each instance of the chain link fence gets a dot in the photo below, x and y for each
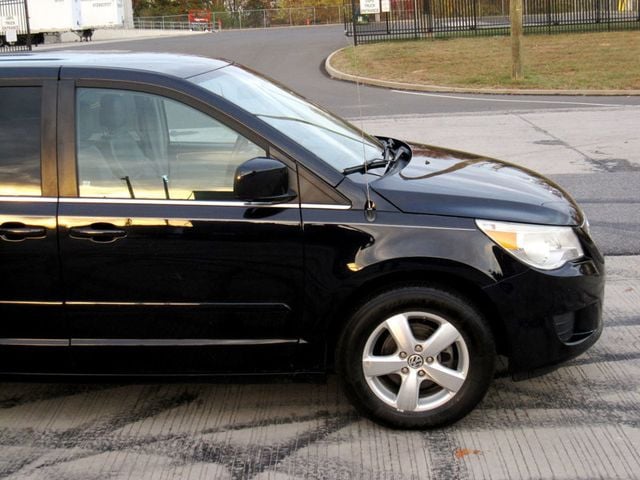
(277, 17)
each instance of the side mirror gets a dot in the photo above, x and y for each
(262, 180)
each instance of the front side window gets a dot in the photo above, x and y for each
(138, 145)
(20, 116)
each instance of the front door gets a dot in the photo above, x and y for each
(164, 270)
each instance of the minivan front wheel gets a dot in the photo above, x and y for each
(416, 357)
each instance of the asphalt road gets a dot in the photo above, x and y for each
(609, 192)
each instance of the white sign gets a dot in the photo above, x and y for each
(9, 22)
(11, 35)
(368, 7)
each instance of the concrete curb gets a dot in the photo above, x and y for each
(416, 87)
(70, 40)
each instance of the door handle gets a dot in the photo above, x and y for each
(18, 232)
(100, 233)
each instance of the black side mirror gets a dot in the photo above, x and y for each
(262, 180)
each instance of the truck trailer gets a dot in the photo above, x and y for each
(48, 19)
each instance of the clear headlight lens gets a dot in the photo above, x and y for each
(586, 225)
(541, 246)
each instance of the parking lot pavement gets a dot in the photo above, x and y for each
(552, 142)
(582, 421)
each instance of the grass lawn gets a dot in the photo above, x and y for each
(603, 60)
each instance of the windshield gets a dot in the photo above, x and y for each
(335, 141)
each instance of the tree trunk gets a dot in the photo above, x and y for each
(516, 12)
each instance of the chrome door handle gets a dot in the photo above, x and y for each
(18, 232)
(100, 233)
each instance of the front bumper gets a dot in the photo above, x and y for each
(551, 317)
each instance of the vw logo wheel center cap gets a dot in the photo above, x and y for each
(415, 361)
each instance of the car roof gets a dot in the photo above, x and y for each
(182, 66)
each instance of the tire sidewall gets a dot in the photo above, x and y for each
(456, 310)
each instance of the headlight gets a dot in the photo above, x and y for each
(541, 246)
(586, 225)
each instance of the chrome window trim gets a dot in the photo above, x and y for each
(324, 206)
(28, 302)
(211, 203)
(28, 199)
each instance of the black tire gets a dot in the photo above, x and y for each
(471, 356)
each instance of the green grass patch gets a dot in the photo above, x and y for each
(590, 61)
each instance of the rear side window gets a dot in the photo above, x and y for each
(20, 141)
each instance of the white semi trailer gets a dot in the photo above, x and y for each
(101, 13)
(50, 18)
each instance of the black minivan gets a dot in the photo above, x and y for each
(177, 215)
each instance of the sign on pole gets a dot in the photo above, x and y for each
(368, 7)
(373, 7)
(9, 25)
(11, 35)
(14, 26)
(8, 22)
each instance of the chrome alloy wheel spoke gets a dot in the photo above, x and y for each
(381, 365)
(400, 330)
(447, 378)
(443, 337)
(407, 399)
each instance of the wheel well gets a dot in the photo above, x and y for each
(452, 283)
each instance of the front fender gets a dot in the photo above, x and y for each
(346, 257)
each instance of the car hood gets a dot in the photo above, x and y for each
(439, 181)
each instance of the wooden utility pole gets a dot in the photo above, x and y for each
(515, 11)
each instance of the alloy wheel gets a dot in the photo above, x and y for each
(415, 361)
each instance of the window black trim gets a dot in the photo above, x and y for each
(48, 141)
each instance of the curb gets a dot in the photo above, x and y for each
(418, 87)
(73, 44)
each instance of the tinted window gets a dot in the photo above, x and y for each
(20, 141)
(137, 145)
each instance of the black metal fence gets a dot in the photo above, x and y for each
(407, 19)
(14, 26)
